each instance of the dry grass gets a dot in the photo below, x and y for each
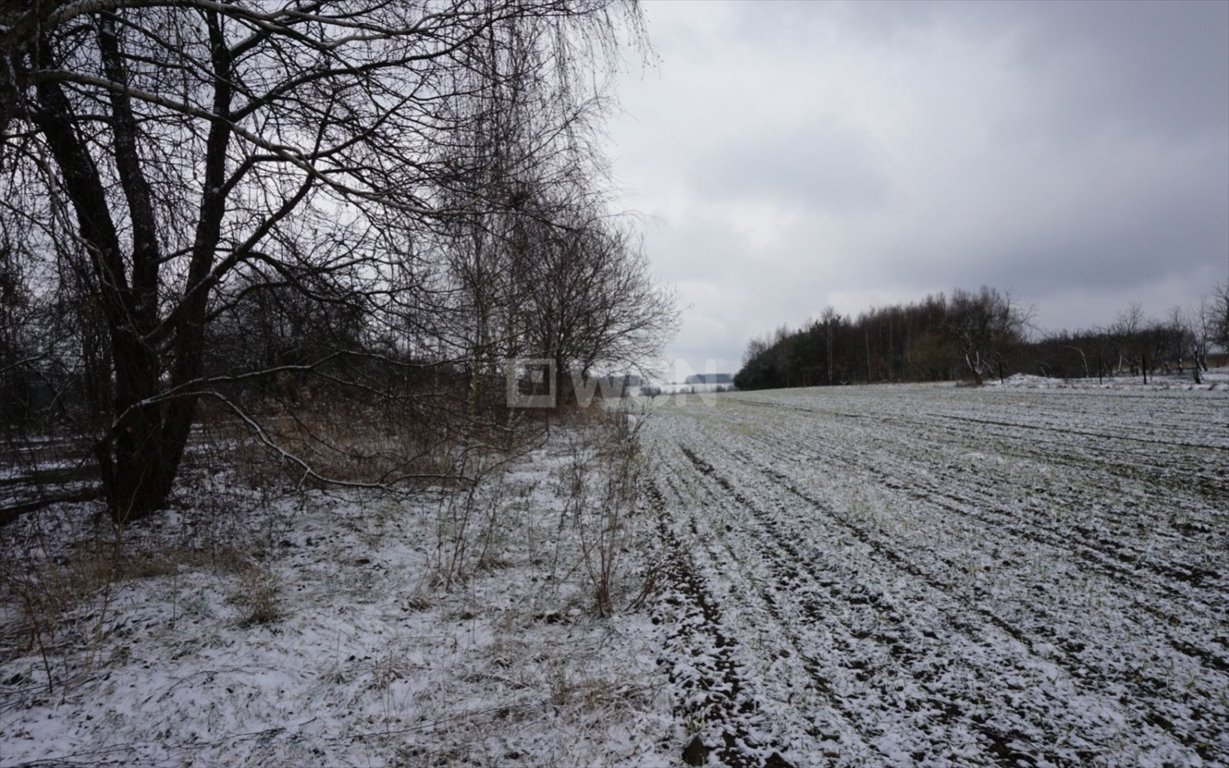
(344, 444)
(60, 594)
(259, 594)
(351, 440)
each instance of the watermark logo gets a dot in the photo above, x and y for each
(531, 382)
(535, 382)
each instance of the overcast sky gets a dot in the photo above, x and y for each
(798, 155)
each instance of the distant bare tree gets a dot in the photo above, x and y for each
(16, 353)
(985, 325)
(1215, 316)
(1182, 343)
(830, 322)
(1130, 331)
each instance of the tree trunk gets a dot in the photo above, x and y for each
(866, 334)
(139, 460)
(139, 456)
(565, 393)
(829, 349)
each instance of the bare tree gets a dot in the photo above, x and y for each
(589, 301)
(830, 321)
(538, 267)
(16, 353)
(207, 152)
(1182, 343)
(985, 325)
(516, 154)
(1130, 331)
(1215, 316)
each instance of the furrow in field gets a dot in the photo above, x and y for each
(1082, 676)
(1084, 615)
(891, 674)
(1024, 605)
(834, 664)
(1176, 465)
(1178, 521)
(1171, 442)
(701, 653)
(980, 496)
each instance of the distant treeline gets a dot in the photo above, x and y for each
(978, 335)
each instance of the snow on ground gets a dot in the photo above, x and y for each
(933, 575)
(919, 575)
(315, 629)
(1215, 379)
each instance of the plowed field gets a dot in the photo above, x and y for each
(943, 576)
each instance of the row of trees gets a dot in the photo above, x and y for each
(1135, 344)
(226, 202)
(939, 338)
(975, 335)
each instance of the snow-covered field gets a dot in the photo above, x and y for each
(320, 629)
(931, 575)
(1030, 574)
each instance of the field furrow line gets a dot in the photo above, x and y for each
(1197, 732)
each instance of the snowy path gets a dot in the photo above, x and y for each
(936, 576)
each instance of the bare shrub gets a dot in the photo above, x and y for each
(463, 519)
(602, 479)
(258, 593)
(344, 438)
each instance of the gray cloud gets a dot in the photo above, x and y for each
(799, 155)
(816, 165)
(1152, 66)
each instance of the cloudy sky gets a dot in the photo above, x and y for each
(787, 157)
